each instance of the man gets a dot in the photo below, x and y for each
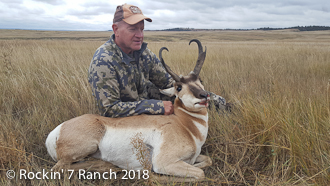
(126, 76)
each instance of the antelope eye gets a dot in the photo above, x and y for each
(179, 88)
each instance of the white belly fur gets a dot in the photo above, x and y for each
(116, 146)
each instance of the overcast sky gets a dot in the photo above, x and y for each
(211, 14)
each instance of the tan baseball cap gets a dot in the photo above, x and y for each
(130, 14)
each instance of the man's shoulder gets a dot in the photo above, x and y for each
(148, 52)
(107, 54)
(108, 48)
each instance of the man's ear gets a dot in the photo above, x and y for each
(114, 28)
(168, 92)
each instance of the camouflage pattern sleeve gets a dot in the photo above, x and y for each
(158, 74)
(218, 101)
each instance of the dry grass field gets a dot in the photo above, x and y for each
(278, 132)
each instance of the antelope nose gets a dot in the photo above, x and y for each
(204, 95)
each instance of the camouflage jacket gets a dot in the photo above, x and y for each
(119, 82)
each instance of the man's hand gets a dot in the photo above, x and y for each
(169, 109)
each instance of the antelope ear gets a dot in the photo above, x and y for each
(168, 92)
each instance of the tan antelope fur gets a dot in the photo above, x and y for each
(174, 142)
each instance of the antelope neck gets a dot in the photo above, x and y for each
(192, 121)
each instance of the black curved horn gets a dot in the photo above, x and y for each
(167, 68)
(201, 56)
(200, 48)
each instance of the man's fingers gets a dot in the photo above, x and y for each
(168, 106)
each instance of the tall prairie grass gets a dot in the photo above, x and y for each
(276, 134)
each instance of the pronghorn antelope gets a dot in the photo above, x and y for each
(174, 142)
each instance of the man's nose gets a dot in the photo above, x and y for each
(139, 33)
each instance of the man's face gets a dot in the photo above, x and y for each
(129, 37)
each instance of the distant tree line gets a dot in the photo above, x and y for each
(179, 29)
(300, 28)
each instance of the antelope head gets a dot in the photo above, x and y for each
(188, 89)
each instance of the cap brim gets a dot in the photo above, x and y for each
(132, 20)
